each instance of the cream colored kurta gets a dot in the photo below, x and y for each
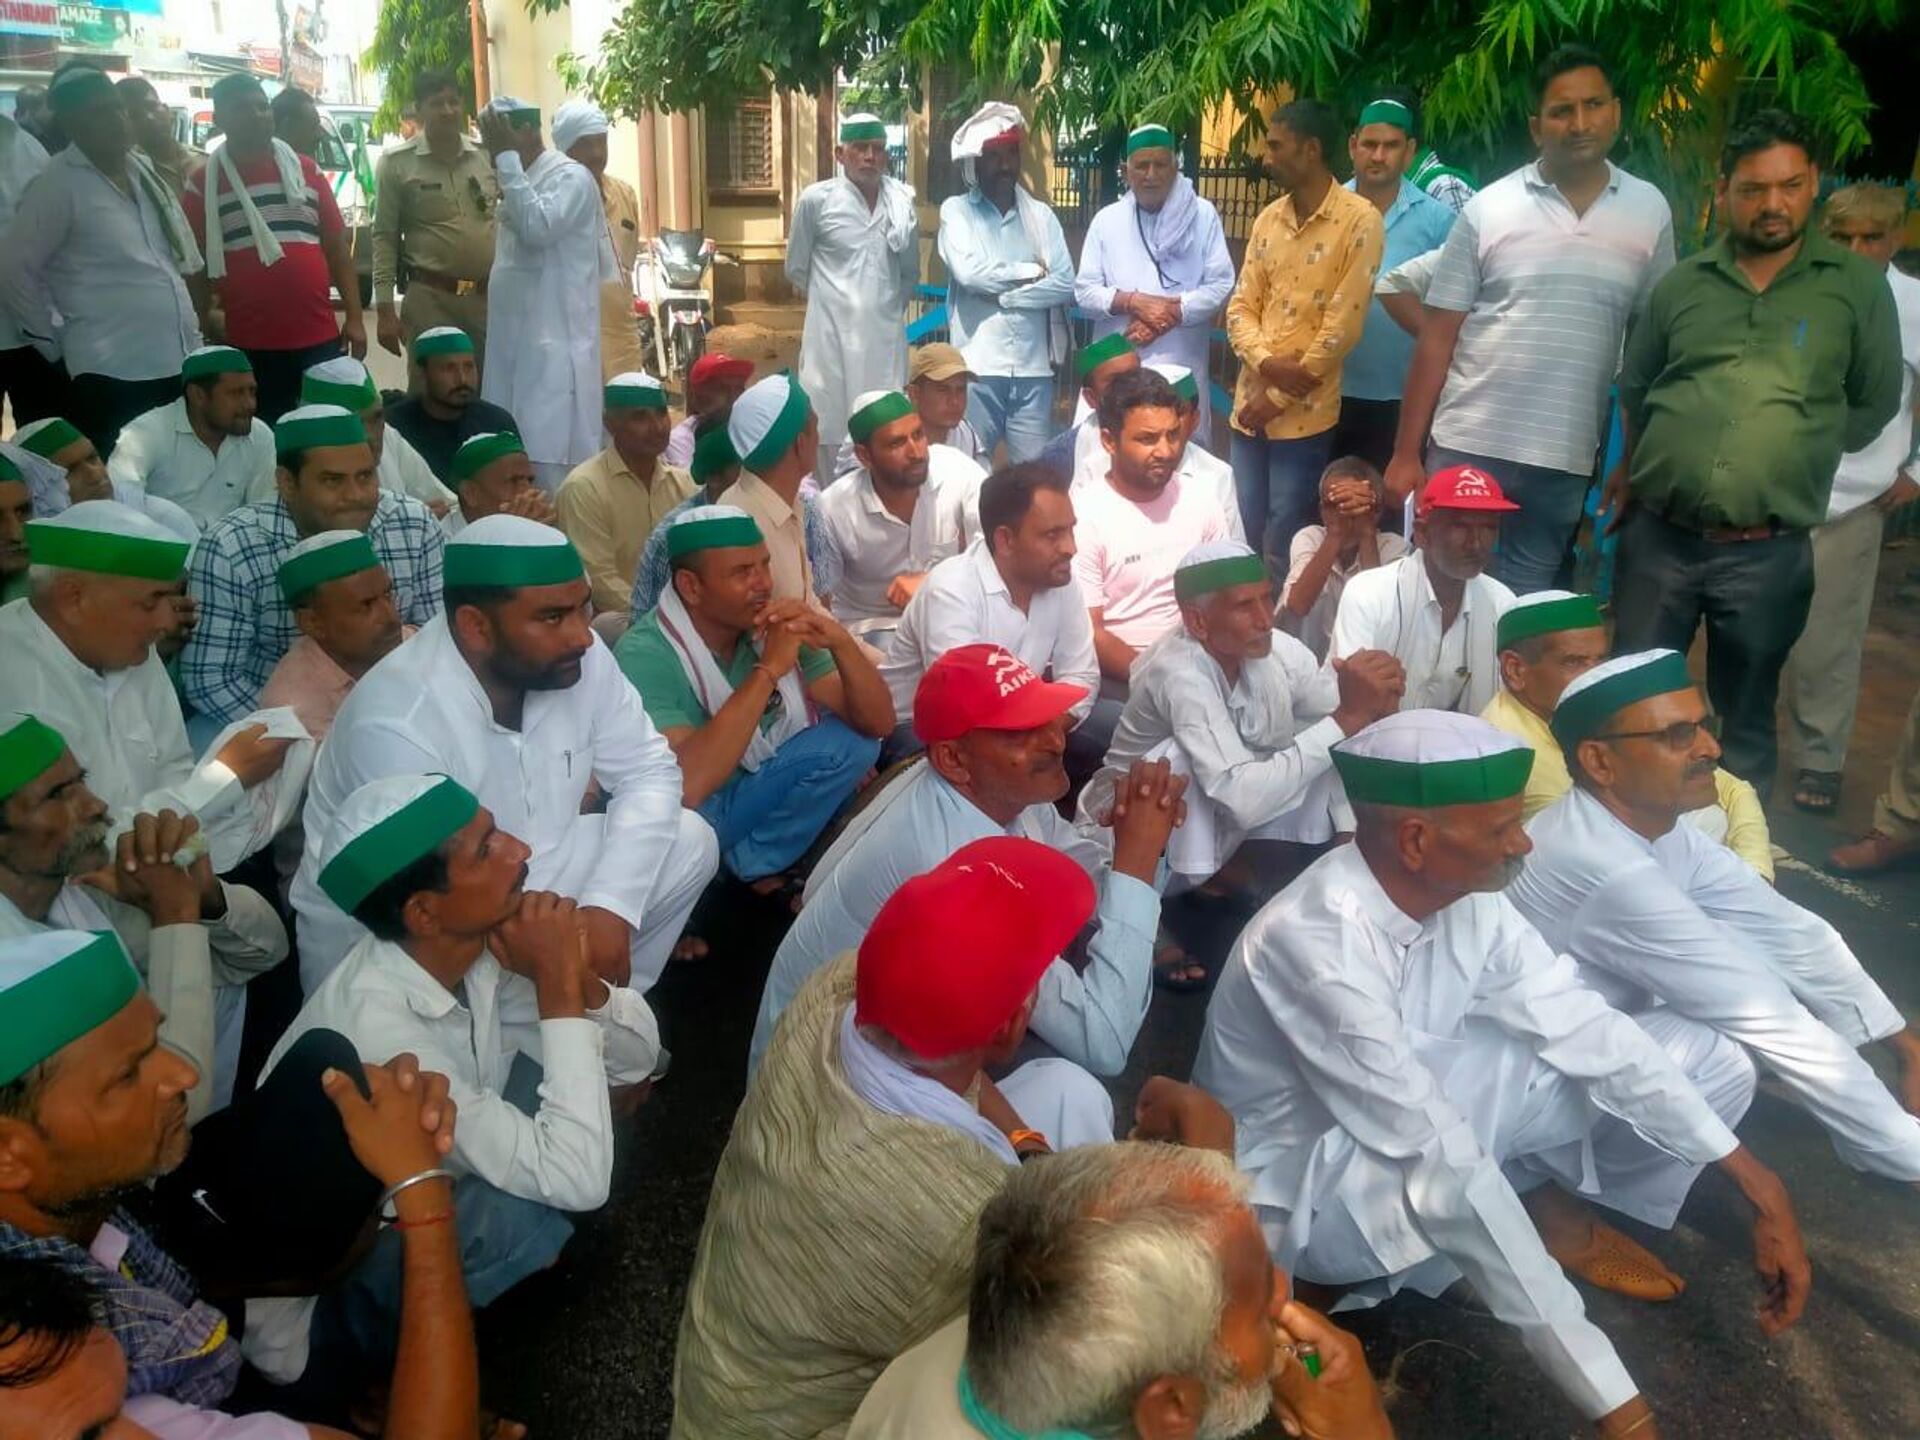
(608, 514)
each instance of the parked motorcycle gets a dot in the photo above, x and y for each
(671, 303)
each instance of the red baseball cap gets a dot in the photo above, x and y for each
(956, 952)
(715, 366)
(983, 687)
(1463, 487)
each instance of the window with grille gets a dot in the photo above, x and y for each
(740, 149)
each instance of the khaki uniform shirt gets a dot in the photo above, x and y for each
(185, 163)
(433, 215)
(608, 514)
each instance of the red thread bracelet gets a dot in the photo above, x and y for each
(423, 1222)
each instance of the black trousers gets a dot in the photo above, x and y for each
(1753, 596)
(100, 406)
(33, 385)
(278, 372)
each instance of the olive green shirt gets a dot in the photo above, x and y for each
(1741, 401)
(433, 215)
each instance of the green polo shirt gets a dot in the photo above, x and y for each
(671, 702)
(1742, 400)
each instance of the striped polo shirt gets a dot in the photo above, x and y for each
(289, 305)
(1548, 294)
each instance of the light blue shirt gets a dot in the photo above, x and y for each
(998, 293)
(1376, 368)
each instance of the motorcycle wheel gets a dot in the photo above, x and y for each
(689, 343)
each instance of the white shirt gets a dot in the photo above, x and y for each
(965, 602)
(1683, 922)
(876, 546)
(1127, 552)
(1393, 608)
(1090, 1016)
(99, 259)
(1333, 1006)
(1865, 474)
(21, 158)
(124, 727)
(421, 711)
(158, 453)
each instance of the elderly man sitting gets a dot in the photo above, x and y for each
(342, 600)
(1125, 1290)
(1659, 915)
(1248, 713)
(736, 680)
(838, 1229)
(996, 739)
(492, 475)
(1405, 1057)
(1545, 641)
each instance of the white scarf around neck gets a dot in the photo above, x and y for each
(890, 1087)
(714, 690)
(220, 168)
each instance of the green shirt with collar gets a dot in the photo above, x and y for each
(1742, 401)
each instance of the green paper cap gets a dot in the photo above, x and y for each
(712, 527)
(441, 340)
(1190, 582)
(506, 552)
(28, 748)
(712, 453)
(1590, 701)
(1430, 785)
(784, 429)
(55, 986)
(388, 846)
(624, 393)
(883, 410)
(48, 438)
(480, 451)
(321, 558)
(1546, 612)
(524, 117)
(1387, 112)
(314, 427)
(126, 544)
(1107, 347)
(1149, 137)
(215, 360)
(857, 128)
(355, 396)
(11, 471)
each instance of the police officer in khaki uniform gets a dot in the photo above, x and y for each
(437, 200)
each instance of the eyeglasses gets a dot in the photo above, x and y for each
(1677, 736)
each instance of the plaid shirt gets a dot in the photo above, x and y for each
(823, 552)
(176, 1345)
(245, 624)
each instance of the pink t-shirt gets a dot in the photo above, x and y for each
(1127, 552)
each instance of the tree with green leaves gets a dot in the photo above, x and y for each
(415, 35)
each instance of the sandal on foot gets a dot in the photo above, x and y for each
(1817, 791)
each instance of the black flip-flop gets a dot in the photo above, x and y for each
(1817, 791)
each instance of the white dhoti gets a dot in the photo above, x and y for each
(1327, 1217)
(1062, 1101)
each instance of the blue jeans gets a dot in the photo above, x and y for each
(1018, 409)
(765, 819)
(1278, 482)
(1536, 540)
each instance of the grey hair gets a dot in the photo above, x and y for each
(1096, 1271)
(886, 1044)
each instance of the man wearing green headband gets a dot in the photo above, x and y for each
(84, 642)
(209, 452)
(16, 509)
(1395, 1042)
(1099, 364)
(905, 507)
(1155, 266)
(1266, 774)
(612, 503)
(1663, 920)
(445, 410)
(1381, 146)
(325, 480)
(346, 382)
(195, 939)
(493, 476)
(342, 600)
(509, 692)
(105, 277)
(60, 443)
(551, 259)
(853, 251)
(735, 680)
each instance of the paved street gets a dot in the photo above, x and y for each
(587, 1352)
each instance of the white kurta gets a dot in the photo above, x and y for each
(125, 729)
(1257, 749)
(1115, 256)
(551, 257)
(1380, 1069)
(965, 601)
(1090, 1016)
(876, 546)
(1683, 922)
(421, 711)
(1393, 608)
(857, 268)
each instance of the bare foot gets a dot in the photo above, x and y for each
(1590, 1249)
(689, 947)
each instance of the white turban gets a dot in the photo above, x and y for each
(989, 122)
(575, 121)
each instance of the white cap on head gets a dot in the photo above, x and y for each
(575, 121)
(766, 420)
(988, 123)
(1429, 737)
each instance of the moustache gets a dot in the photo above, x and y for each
(1508, 871)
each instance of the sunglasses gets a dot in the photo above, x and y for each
(1677, 736)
